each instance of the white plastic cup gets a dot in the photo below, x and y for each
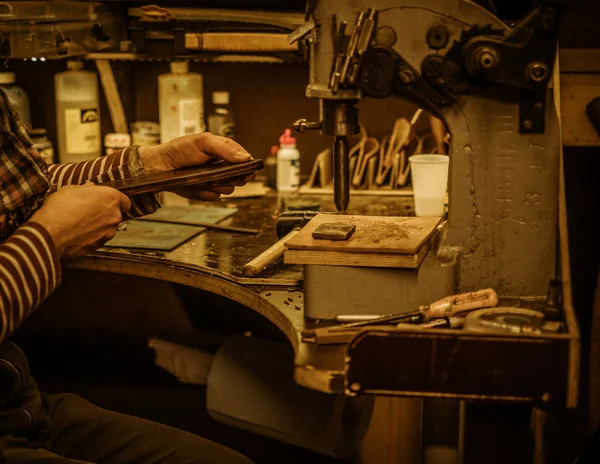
(429, 174)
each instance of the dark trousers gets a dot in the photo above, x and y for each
(61, 429)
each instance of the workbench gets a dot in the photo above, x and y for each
(534, 369)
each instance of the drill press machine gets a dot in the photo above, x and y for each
(489, 83)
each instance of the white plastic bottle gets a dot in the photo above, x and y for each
(288, 163)
(181, 102)
(16, 96)
(220, 119)
(77, 114)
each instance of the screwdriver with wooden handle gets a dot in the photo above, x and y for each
(450, 306)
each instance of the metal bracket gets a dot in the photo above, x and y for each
(532, 111)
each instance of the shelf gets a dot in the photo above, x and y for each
(202, 58)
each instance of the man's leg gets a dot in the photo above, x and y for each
(80, 430)
(19, 451)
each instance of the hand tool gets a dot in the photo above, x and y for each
(344, 318)
(289, 220)
(448, 307)
(207, 174)
(269, 256)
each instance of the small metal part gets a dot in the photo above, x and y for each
(348, 58)
(302, 125)
(338, 117)
(406, 76)
(345, 318)
(509, 320)
(537, 72)
(341, 230)
(444, 323)
(301, 31)
(432, 66)
(341, 173)
(437, 37)
(392, 319)
(385, 36)
(532, 117)
(485, 59)
(356, 386)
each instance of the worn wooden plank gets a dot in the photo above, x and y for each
(374, 234)
(239, 42)
(565, 259)
(336, 258)
(113, 98)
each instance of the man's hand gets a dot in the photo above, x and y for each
(195, 150)
(81, 218)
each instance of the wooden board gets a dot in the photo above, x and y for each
(374, 234)
(576, 91)
(239, 41)
(194, 176)
(336, 258)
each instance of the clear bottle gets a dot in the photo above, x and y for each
(181, 102)
(16, 96)
(39, 139)
(288, 163)
(77, 114)
(220, 119)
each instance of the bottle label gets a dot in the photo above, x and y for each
(227, 130)
(82, 127)
(190, 116)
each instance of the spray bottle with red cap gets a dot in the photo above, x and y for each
(288, 163)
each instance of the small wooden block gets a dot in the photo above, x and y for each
(341, 230)
(374, 234)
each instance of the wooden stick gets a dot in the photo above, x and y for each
(113, 98)
(268, 257)
(241, 230)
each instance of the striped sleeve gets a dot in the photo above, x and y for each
(29, 272)
(121, 165)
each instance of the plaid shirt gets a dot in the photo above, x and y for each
(26, 180)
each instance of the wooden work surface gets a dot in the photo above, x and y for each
(399, 235)
(213, 262)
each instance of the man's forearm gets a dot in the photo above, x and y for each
(29, 272)
(122, 165)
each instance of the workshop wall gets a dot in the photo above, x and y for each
(266, 98)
